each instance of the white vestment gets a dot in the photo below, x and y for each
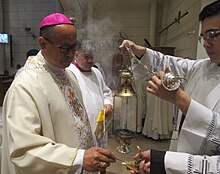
(139, 86)
(44, 122)
(99, 67)
(158, 123)
(159, 113)
(95, 95)
(199, 138)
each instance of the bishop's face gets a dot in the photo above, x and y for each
(60, 49)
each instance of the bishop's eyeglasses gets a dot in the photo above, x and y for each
(65, 49)
(209, 36)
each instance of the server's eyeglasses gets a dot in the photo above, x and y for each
(209, 36)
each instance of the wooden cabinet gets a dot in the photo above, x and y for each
(165, 50)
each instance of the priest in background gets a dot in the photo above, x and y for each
(96, 94)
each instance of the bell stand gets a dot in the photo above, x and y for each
(121, 133)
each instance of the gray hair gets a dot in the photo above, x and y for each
(88, 45)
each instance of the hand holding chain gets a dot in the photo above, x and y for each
(169, 81)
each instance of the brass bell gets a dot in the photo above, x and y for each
(126, 88)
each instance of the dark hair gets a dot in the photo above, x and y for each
(32, 52)
(47, 32)
(210, 10)
(18, 66)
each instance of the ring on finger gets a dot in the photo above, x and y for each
(103, 164)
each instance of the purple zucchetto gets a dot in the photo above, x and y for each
(55, 19)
